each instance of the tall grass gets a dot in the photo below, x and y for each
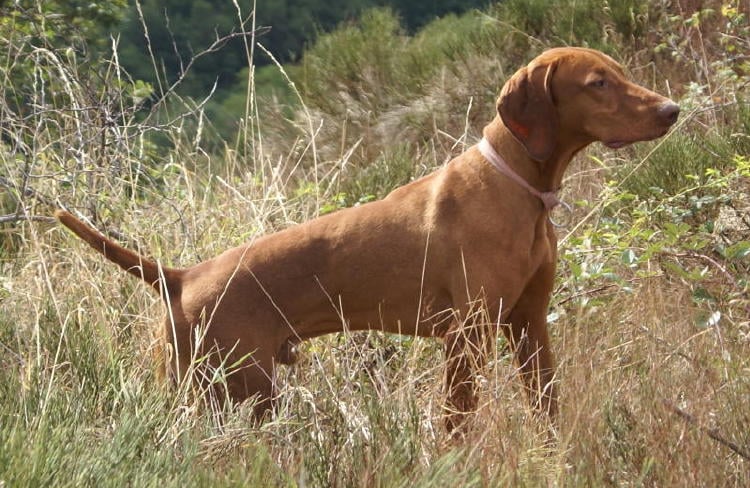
(650, 321)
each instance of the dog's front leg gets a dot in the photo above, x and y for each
(527, 334)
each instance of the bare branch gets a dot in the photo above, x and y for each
(11, 218)
(712, 433)
(219, 43)
(26, 192)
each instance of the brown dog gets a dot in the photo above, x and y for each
(418, 261)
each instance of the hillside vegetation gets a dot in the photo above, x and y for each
(650, 320)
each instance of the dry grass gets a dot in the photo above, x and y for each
(365, 409)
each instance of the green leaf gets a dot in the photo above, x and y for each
(629, 258)
(738, 250)
(705, 319)
(700, 294)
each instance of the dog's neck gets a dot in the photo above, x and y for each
(548, 198)
(544, 176)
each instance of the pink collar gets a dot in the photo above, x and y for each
(548, 198)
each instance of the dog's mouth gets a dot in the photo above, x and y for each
(617, 144)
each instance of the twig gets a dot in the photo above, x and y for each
(5, 219)
(584, 293)
(594, 291)
(709, 259)
(712, 433)
(27, 192)
(21, 213)
(214, 47)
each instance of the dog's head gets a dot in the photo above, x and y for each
(579, 96)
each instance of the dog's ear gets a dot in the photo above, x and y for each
(528, 110)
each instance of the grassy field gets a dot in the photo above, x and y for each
(650, 320)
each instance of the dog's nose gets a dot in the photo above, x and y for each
(670, 111)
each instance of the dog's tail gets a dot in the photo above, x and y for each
(133, 263)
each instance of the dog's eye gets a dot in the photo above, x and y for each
(599, 83)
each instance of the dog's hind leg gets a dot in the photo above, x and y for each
(253, 382)
(466, 355)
